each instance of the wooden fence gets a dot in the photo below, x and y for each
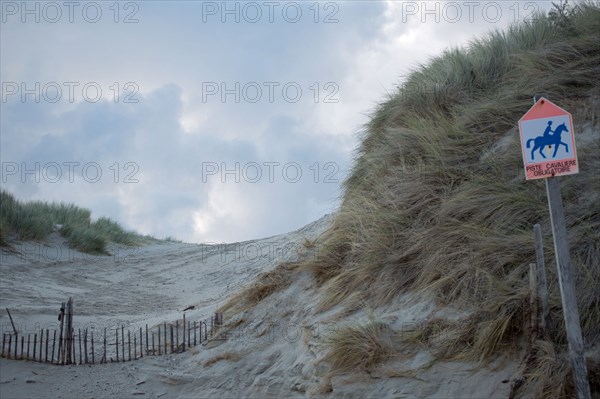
(68, 345)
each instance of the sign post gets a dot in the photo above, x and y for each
(548, 127)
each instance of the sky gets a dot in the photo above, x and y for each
(209, 121)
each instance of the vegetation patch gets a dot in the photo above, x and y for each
(36, 220)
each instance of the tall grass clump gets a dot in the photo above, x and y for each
(35, 220)
(437, 201)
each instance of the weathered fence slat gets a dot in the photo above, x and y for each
(92, 347)
(41, 344)
(22, 345)
(129, 343)
(165, 335)
(134, 347)
(183, 341)
(153, 353)
(194, 332)
(147, 339)
(104, 353)
(159, 339)
(53, 347)
(85, 348)
(123, 342)
(28, 346)
(80, 354)
(142, 343)
(47, 341)
(117, 342)
(16, 344)
(171, 340)
(3, 343)
(9, 344)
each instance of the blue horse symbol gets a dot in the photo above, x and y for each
(548, 140)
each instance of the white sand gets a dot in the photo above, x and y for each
(275, 352)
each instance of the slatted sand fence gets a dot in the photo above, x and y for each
(67, 345)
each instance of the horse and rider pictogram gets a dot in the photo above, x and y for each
(548, 139)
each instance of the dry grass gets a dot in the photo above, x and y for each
(360, 346)
(437, 201)
(231, 356)
(264, 285)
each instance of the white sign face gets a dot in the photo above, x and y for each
(547, 141)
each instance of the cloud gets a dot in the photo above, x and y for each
(204, 123)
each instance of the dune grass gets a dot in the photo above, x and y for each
(437, 200)
(36, 220)
(360, 346)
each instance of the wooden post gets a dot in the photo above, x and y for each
(194, 332)
(142, 343)
(22, 345)
(85, 349)
(11, 321)
(183, 331)
(3, 343)
(69, 327)
(158, 339)
(165, 349)
(47, 339)
(60, 337)
(80, 352)
(41, 344)
(189, 327)
(9, 344)
(546, 323)
(533, 301)
(16, 345)
(104, 352)
(117, 342)
(176, 335)
(147, 338)
(74, 361)
(134, 347)
(53, 345)
(129, 344)
(165, 335)
(153, 353)
(567, 289)
(123, 342)
(29, 346)
(92, 347)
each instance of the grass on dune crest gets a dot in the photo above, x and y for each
(36, 220)
(437, 199)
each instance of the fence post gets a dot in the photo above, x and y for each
(53, 347)
(47, 339)
(3, 343)
(16, 344)
(80, 352)
(159, 340)
(69, 339)
(171, 338)
(104, 351)
(147, 339)
(128, 344)
(117, 341)
(194, 332)
(34, 345)
(546, 322)
(533, 301)
(142, 343)
(85, 348)
(60, 337)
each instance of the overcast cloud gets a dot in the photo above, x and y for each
(208, 121)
